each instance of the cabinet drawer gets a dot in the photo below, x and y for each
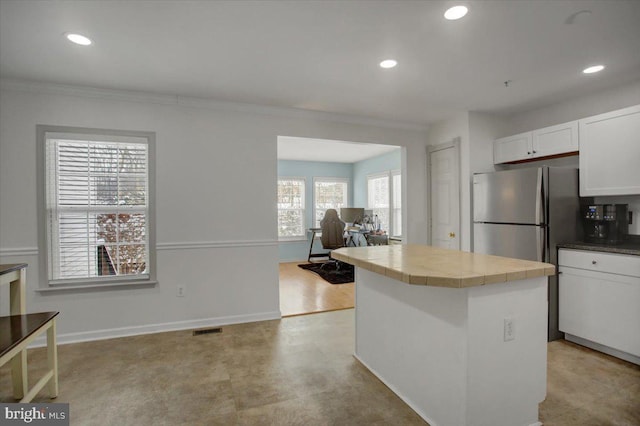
(602, 262)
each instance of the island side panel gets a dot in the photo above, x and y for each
(507, 379)
(414, 339)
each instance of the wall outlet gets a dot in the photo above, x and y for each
(181, 290)
(509, 329)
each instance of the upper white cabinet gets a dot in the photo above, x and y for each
(553, 140)
(512, 148)
(610, 153)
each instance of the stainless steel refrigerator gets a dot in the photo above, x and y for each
(524, 213)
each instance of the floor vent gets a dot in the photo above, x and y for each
(207, 331)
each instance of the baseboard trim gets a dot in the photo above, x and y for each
(90, 336)
(602, 348)
(394, 390)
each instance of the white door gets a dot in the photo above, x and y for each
(445, 195)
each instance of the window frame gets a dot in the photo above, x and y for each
(329, 180)
(395, 217)
(389, 175)
(45, 132)
(303, 236)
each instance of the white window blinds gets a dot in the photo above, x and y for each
(329, 193)
(291, 208)
(97, 208)
(378, 197)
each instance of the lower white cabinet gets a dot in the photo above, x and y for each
(599, 301)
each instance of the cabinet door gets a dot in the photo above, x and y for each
(600, 307)
(512, 148)
(610, 153)
(554, 140)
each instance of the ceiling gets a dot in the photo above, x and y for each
(307, 149)
(324, 55)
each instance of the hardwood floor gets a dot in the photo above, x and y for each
(303, 292)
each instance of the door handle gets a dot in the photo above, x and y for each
(452, 234)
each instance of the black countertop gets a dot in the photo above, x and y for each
(630, 247)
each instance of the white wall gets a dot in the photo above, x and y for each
(576, 108)
(216, 182)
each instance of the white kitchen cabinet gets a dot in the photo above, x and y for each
(599, 301)
(512, 148)
(610, 153)
(553, 140)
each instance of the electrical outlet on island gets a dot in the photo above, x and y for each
(509, 329)
(182, 289)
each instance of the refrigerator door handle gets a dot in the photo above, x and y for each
(539, 196)
(541, 243)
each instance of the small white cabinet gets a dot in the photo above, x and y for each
(512, 148)
(610, 153)
(599, 301)
(553, 140)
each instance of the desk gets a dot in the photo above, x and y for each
(19, 329)
(313, 232)
(354, 236)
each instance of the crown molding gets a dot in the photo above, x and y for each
(9, 84)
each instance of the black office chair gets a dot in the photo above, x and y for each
(332, 235)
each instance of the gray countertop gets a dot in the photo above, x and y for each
(630, 247)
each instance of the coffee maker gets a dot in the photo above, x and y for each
(605, 223)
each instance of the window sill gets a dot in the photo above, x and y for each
(294, 240)
(80, 287)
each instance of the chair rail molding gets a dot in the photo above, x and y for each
(184, 245)
(18, 251)
(191, 245)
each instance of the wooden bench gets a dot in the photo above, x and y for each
(19, 329)
(16, 333)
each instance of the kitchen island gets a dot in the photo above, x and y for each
(460, 337)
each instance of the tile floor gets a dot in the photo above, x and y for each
(296, 371)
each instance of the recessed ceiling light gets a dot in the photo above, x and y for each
(455, 12)
(78, 39)
(591, 70)
(388, 63)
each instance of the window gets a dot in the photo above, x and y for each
(384, 198)
(291, 209)
(328, 193)
(396, 204)
(96, 199)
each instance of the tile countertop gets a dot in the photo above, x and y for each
(630, 247)
(432, 266)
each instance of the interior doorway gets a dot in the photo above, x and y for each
(444, 198)
(317, 174)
